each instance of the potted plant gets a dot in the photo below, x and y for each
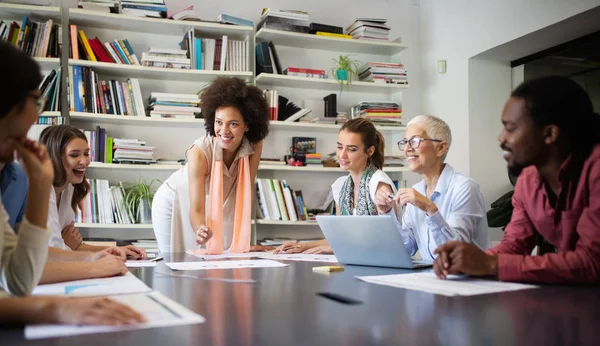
(138, 200)
(343, 70)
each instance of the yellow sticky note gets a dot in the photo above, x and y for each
(328, 269)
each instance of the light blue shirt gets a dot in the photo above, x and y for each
(13, 188)
(460, 216)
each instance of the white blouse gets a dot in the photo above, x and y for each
(60, 216)
(378, 177)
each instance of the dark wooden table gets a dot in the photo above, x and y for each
(283, 308)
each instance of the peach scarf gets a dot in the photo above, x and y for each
(243, 206)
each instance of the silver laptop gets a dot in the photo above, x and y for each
(368, 241)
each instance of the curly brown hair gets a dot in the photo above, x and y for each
(233, 92)
(56, 138)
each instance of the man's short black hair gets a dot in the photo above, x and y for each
(560, 101)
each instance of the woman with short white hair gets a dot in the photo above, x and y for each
(445, 205)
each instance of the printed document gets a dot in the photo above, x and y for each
(454, 285)
(159, 310)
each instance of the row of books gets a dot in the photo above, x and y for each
(163, 105)
(50, 89)
(220, 54)
(107, 149)
(383, 72)
(37, 39)
(278, 201)
(116, 51)
(87, 93)
(104, 204)
(45, 120)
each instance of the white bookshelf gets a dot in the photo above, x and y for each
(16, 12)
(124, 166)
(136, 226)
(50, 114)
(145, 72)
(177, 122)
(48, 63)
(309, 41)
(123, 22)
(330, 84)
(261, 167)
(286, 223)
(135, 120)
(171, 136)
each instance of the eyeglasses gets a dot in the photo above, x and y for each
(414, 142)
(40, 102)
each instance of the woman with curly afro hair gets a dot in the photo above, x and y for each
(209, 200)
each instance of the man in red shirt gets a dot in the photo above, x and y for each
(551, 137)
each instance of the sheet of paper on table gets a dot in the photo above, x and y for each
(159, 310)
(140, 263)
(125, 284)
(226, 255)
(454, 285)
(301, 257)
(206, 265)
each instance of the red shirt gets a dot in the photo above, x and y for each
(572, 225)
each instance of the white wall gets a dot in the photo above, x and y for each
(456, 31)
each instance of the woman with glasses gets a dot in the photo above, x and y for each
(444, 205)
(23, 256)
(360, 151)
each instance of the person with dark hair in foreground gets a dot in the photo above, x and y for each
(220, 172)
(22, 257)
(551, 137)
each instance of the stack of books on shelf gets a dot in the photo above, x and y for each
(314, 160)
(166, 58)
(163, 105)
(305, 72)
(36, 39)
(369, 29)
(89, 94)
(132, 151)
(215, 54)
(144, 8)
(380, 113)
(383, 72)
(287, 20)
(116, 51)
(106, 6)
(227, 19)
(104, 204)
(278, 201)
